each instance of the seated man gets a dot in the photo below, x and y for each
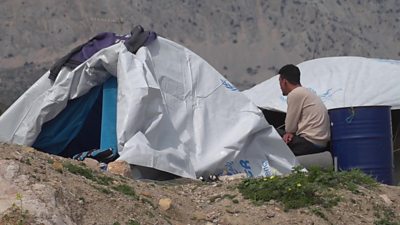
(307, 128)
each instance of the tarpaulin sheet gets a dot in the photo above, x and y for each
(175, 113)
(339, 82)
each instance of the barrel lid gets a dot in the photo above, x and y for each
(361, 107)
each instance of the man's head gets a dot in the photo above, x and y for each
(289, 78)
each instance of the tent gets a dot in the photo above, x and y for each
(163, 108)
(339, 82)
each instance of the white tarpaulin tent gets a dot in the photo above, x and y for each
(175, 113)
(340, 82)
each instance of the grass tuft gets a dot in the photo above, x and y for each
(303, 189)
(125, 189)
(88, 173)
(79, 170)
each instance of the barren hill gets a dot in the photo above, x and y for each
(247, 41)
(37, 188)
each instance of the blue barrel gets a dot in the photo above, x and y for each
(361, 137)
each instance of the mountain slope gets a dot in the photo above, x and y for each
(247, 41)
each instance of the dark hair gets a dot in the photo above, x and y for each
(291, 73)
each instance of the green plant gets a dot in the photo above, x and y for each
(229, 196)
(16, 214)
(88, 173)
(79, 170)
(318, 212)
(125, 189)
(27, 161)
(104, 180)
(103, 190)
(145, 200)
(302, 189)
(132, 222)
(385, 216)
(19, 198)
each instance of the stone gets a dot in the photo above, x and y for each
(165, 204)
(232, 177)
(146, 194)
(386, 199)
(9, 170)
(197, 215)
(92, 164)
(120, 167)
(57, 166)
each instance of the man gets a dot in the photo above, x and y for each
(307, 128)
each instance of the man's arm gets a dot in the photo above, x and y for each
(294, 110)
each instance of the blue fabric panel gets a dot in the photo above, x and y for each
(57, 133)
(109, 115)
(88, 137)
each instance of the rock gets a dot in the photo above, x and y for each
(120, 167)
(233, 220)
(232, 177)
(92, 164)
(28, 149)
(165, 203)
(199, 216)
(9, 170)
(270, 214)
(57, 166)
(146, 194)
(386, 199)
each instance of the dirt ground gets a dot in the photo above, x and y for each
(37, 188)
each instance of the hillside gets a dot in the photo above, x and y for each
(247, 41)
(37, 188)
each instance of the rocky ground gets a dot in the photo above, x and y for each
(37, 188)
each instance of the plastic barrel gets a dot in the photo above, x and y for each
(361, 137)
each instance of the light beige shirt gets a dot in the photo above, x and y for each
(307, 116)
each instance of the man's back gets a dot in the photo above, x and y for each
(307, 116)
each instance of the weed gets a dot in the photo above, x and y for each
(318, 212)
(16, 214)
(19, 198)
(235, 201)
(88, 173)
(301, 189)
(385, 216)
(27, 161)
(104, 180)
(231, 187)
(229, 196)
(145, 200)
(79, 170)
(104, 190)
(125, 189)
(132, 222)
(116, 223)
(150, 214)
